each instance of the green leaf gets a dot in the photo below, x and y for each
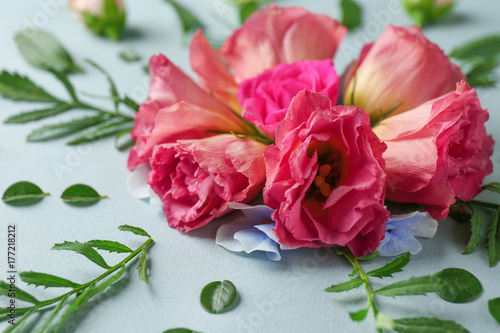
(427, 325)
(188, 20)
(476, 226)
(45, 328)
(46, 280)
(122, 144)
(359, 315)
(494, 308)
(143, 265)
(482, 49)
(110, 246)
(4, 312)
(413, 286)
(23, 194)
(43, 50)
(63, 78)
(369, 257)
(218, 296)
(130, 55)
(37, 114)
(345, 286)
(494, 240)
(460, 286)
(81, 195)
(54, 131)
(84, 250)
(180, 330)
(493, 187)
(131, 103)
(247, 9)
(483, 74)
(112, 85)
(135, 230)
(391, 267)
(20, 88)
(427, 11)
(16, 293)
(19, 322)
(103, 131)
(351, 14)
(76, 304)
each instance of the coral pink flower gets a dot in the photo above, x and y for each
(276, 35)
(195, 179)
(212, 72)
(437, 151)
(177, 108)
(402, 66)
(266, 97)
(325, 177)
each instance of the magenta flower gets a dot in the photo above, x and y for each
(325, 177)
(266, 97)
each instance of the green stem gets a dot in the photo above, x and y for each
(483, 204)
(83, 105)
(106, 274)
(362, 275)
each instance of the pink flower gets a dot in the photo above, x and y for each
(437, 151)
(276, 35)
(177, 108)
(212, 72)
(266, 97)
(325, 177)
(402, 66)
(195, 179)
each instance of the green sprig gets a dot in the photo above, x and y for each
(452, 285)
(82, 292)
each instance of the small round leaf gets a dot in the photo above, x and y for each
(218, 296)
(460, 286)
(180, 330)
(81, 195)
(23, 194)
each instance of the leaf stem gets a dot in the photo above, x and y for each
(362, 275)
(82, 287)
(483, 204)
(94, 108)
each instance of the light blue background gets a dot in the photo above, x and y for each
(285, 296)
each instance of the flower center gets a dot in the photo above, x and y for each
(332, 169)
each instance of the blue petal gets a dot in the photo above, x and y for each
(404, 220)
(398, 241)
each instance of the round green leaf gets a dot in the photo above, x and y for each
(81, 195)
(494, 308)
(180, 330)
(218, 296)
(460, 286)
(23, 194)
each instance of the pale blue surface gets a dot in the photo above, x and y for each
(285, 296)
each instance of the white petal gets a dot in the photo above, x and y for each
(154, 199)
(255, 213)
(225, 234)
(268, 230)
(137, 181)
(425, 228)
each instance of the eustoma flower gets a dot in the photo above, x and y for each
(266, 97)
(196, 179)
(400, 71)
(177, 108)
(275, 35)
(437, 151)
(325, 177)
